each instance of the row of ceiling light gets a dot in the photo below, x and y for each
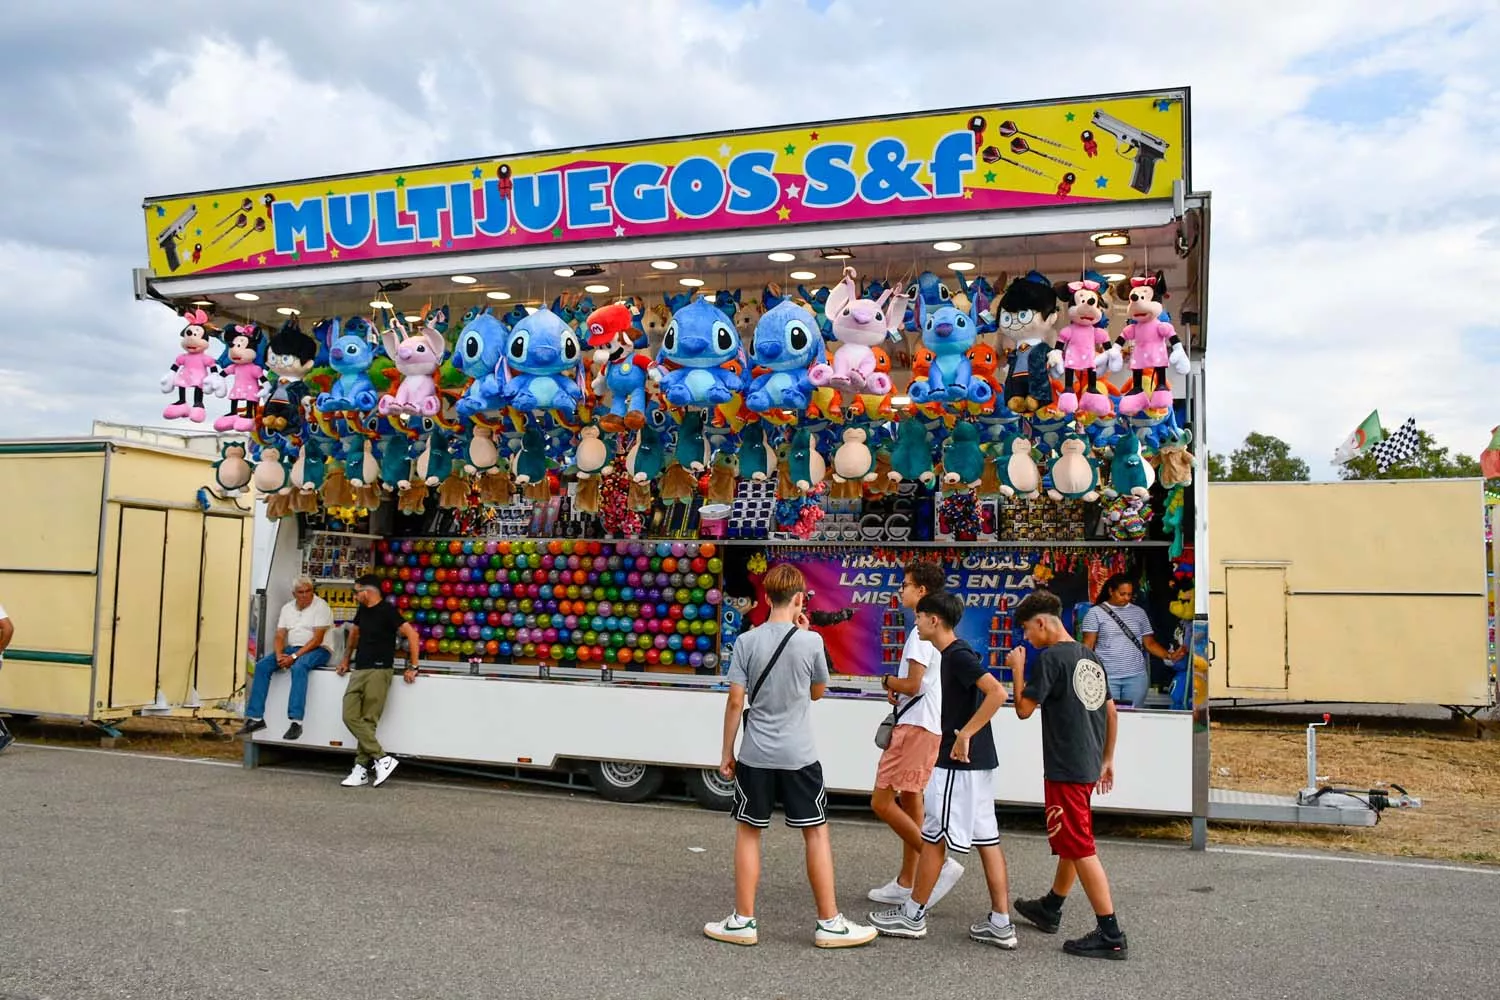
(1105, 241)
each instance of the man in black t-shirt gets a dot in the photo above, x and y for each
(1078, 754)
(372, 645)
(960, 796)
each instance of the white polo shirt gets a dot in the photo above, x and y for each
(301, 623)
(927, 713)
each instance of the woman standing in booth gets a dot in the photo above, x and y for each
(1120, 632)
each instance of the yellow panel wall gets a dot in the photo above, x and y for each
(50, 507)
(1385, 588)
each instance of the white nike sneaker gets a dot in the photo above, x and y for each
(359, 776)
(892, 892)
(733, 929)
(383, 768)
(842, 933)
(947, 878)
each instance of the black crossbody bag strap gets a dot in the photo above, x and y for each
(1128, 634)
(766, 673)
(907, 707)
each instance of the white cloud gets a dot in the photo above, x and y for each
(1348, 258)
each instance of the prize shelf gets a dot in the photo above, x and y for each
(824, 543)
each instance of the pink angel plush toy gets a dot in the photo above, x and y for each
(246, 376)
(859, 325)
(193, 369)
(1156, 346)
(417, 358)
(1082, 341)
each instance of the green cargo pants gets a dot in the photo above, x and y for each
(364, 701)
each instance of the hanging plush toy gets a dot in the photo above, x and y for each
(290, 356)
(1083, 344)
(1019, 476)
(193, 369)
(480, 344)
(911, 456)
(242, 370)
(859, 325)
(1129, 473)
(417, 357)
(786, 344)
(541, 365)
(701, 363)
(948, 334)
(1156, 345)
(757, 456)
(927, 294)
(351, 356)
(854, 461)
(747, 316)
(1489, 458)
(231, 471)
(963, 461)
(271, 475)
(592, 455)
(1027, 310)
(648, 456)
(1176, 461)
(1074, 474)
(805, 466)
(530, 464)
(621, 367)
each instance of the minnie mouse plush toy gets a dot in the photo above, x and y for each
(193, 369)
(242, 366)
(1156, 346)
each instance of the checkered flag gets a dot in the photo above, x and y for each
(1398, 447)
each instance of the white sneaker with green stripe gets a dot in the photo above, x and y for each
(733, 929)
(842, 933)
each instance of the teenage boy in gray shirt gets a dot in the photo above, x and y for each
(783, 666)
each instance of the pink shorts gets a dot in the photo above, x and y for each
(906, 765)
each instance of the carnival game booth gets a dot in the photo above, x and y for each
(572, 405)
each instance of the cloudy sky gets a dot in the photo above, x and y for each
(1353, 150)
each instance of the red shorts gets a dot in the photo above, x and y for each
(1070, 819)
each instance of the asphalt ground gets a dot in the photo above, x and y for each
(127, 876)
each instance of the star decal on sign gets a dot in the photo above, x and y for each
(296, 255)
(557, 232)
(989, 177)
(437, 244)
(261, 259)
(448, 245)
(328, 193)
(793, 191)
(677, 214)
(813, 136)
(724, 150)
(968, 193)
(1165, 104)
(790, 149)
(513, 230)
(1101, 182)
(197, 232)
(1069, 116)
(619, 230)
(334, 253)
(401, 182)
(216, 204)
(476, 173)
(783, 213)
(160, 212)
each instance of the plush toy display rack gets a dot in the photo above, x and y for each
(544, 446)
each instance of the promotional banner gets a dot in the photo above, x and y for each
(862, 587)
(1107, 149)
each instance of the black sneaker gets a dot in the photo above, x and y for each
(1095, 944)
(1037, 915)
(6, 739)
(251, 726)
(294, 731)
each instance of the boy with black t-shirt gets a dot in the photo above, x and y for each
(1078, 753)
(960, 796)
(372, 646)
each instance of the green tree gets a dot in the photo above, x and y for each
(1263, 458)
(1428, 462)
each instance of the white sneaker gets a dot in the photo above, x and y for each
(733, 929)
(947, 879)
(842, 933)
(359, 776)
(383, 768)
(892, 892)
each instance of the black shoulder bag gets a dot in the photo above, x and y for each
(745, 715)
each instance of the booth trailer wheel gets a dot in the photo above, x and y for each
(709, 789)
(622, 781)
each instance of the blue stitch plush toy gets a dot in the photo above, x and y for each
(351, 353)
(701, 362)
(540, 364)
(949, 334)
(787, 343)
(480, 344)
